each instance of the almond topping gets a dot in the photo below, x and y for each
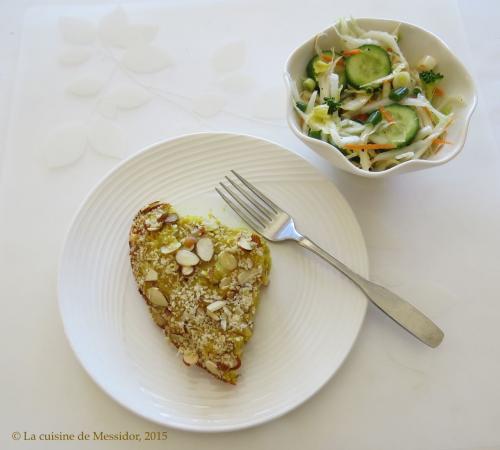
(186, 258)
(189, 242)
(212, 367)
(245, 244)
(187, 270)
(247, 275)
(151, 275)
(212, 315)
(225, 283)
(156, 297)
(215, 306)
(171, 218)
(228, 261)
(190, 357)
(205, 249)
(256, 239)
(172, 247)
(152, 225)
(223, 323)
(150, 207)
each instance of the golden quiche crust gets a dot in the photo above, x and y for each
(201, 281)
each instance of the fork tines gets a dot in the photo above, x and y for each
(248, 202)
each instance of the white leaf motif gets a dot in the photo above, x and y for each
(208, 105)
(86, 86)
(107, 138)
(129, 97)
(116, 30)
(64, 145)
(142, 34)
(145, 59)
(76, 30)
(74, 56)
(230, 57)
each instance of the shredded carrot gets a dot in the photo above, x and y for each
(439, 141)
(361, 117)
(431, 116)
(438, 92)
(356, 51)
(386, 115)
(370, 146)
(326, 57)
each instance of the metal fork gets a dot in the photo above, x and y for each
(269, 220)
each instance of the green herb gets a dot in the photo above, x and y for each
(332, 104)
(429, 76)
(316, 134)
(417, 91)
(302, 106)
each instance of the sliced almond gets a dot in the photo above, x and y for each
(171, 218)
(187, 270)
(190, 357)
(170, 248)
(199, 230)
(150, 207)
(215, 306)
(256, 239)
(186, 258)
(205, 249)
(228, 261)
(247, 276)
(189, 242)
(156, 297)
(213, 316)
(236, 364)
(245, 244)
(212, 367)
(151, 275)
(152, 225)
(225, 283)
(223, 323)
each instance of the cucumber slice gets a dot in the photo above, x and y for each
(371, 64)
(316, 66)
(403, 131)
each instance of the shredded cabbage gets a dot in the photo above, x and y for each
(340, 112)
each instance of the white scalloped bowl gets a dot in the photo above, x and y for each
(415, 43)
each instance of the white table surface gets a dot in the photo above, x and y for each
(432, 236)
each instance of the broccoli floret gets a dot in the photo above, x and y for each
(332, 104)
(429, 76)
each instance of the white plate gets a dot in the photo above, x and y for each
(308, 318)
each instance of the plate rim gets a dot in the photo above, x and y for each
(193, 427)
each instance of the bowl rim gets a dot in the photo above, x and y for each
(417, 163)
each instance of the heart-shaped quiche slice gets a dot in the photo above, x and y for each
(201, 281)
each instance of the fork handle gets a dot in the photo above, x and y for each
(391, 304)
